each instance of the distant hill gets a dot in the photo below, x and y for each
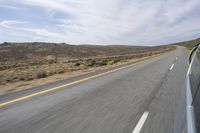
(188, 44)
(34, 50)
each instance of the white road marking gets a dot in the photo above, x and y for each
(172, 67)
(176, 58)
(141, 122)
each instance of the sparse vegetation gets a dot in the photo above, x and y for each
(41, 74)
(110, 62)
(188, 44)
(28, 61)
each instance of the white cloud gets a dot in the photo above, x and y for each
(10, 23)
(178, 8)
(17, 27)
(10, 7)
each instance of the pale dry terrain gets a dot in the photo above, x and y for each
(21, 85)
(24, 65)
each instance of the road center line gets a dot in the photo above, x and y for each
(141, 122)
(68, 84)
(171, 66)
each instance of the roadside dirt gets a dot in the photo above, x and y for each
(12, 87)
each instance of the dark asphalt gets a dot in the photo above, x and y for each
(112, 103)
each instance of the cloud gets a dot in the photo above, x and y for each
(10, 23)
(177, 9)
(108, 22)
(10, 7)
(17, 27)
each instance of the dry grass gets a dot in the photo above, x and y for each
(188, 44)
(21, 85)
(28, 65)
(27, 73)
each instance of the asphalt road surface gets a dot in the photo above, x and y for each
(142, 98)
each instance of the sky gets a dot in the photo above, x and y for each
(102, 22)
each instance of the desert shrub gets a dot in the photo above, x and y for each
(41, 74)
(8, 80)
(22, 78)
(116, 60)
(52, 61)
(91, 63)
(51, 72)
(77, 64)
(102, 63)
(5, 43)
(61, 71)
(110, 62)
(29, 78)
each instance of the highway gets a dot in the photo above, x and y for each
(139, 98)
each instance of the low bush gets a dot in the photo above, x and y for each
(110, 62)
(91, 63)
(77, 64)
(41, 74)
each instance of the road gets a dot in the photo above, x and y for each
(143, 97)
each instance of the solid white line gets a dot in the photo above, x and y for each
(141, 122)
(172, 67)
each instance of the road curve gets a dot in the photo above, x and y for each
(139, 99)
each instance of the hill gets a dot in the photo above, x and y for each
(188, 44)
(37, 50)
